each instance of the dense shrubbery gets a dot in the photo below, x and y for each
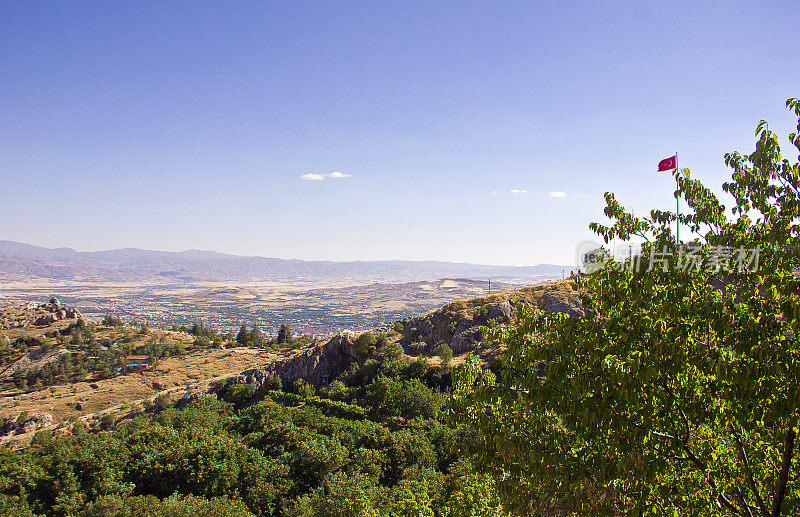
(370, 443)
(111, 321)
(205, 336)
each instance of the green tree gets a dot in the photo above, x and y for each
(394, 351)
(678, 392)
(243, 336)
(107, 422)
(255, 338)
(364, 342)
(445, 353)
(284, 335)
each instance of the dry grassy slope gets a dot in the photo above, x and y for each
(91, 398)
(124, 395)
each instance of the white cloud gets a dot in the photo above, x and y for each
(557, 194)
(518, 191)
(313, 176)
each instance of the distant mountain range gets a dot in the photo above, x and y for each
(25, 262)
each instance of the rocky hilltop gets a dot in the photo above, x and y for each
(30, 314)
(457, 324)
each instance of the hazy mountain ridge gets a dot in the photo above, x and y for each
(25, 262)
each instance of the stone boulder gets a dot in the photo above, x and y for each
(47, 319)
(561, 305)
(45, 420)
(466, 341)
(28, 427)
(500, 312)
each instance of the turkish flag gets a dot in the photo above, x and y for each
(667, 164)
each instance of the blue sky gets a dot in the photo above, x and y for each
(175, 126)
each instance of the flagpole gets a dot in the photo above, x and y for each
(677, 204)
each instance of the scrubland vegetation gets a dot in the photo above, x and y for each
(370, 443)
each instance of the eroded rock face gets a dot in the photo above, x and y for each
(466, 341)
(462, 325)
(456, 324)
(45, 320)
(571, 306)
(500, 312)
(422, 323)
(14, 426)
(9, 427)
(318, 365)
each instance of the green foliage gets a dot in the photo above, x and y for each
(341, 496)
(111, 321)
(302, 388)
(389, 397)
(473, 496)
(201, 342)
(365, 343)
(445, 353)
(243, 337)
(678, 393)
(284, 335)
(255, 338)
(162, 402)
(371, 443)
(398, 327)
(173, 506)
(394, 351)
(108, 421)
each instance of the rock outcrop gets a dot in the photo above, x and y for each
(567, 305)
(316, 364)
(28, 425)
(456, 324)
(26, 314)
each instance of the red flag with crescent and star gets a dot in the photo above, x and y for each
(667, 164)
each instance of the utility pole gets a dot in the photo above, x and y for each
(490, 286)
